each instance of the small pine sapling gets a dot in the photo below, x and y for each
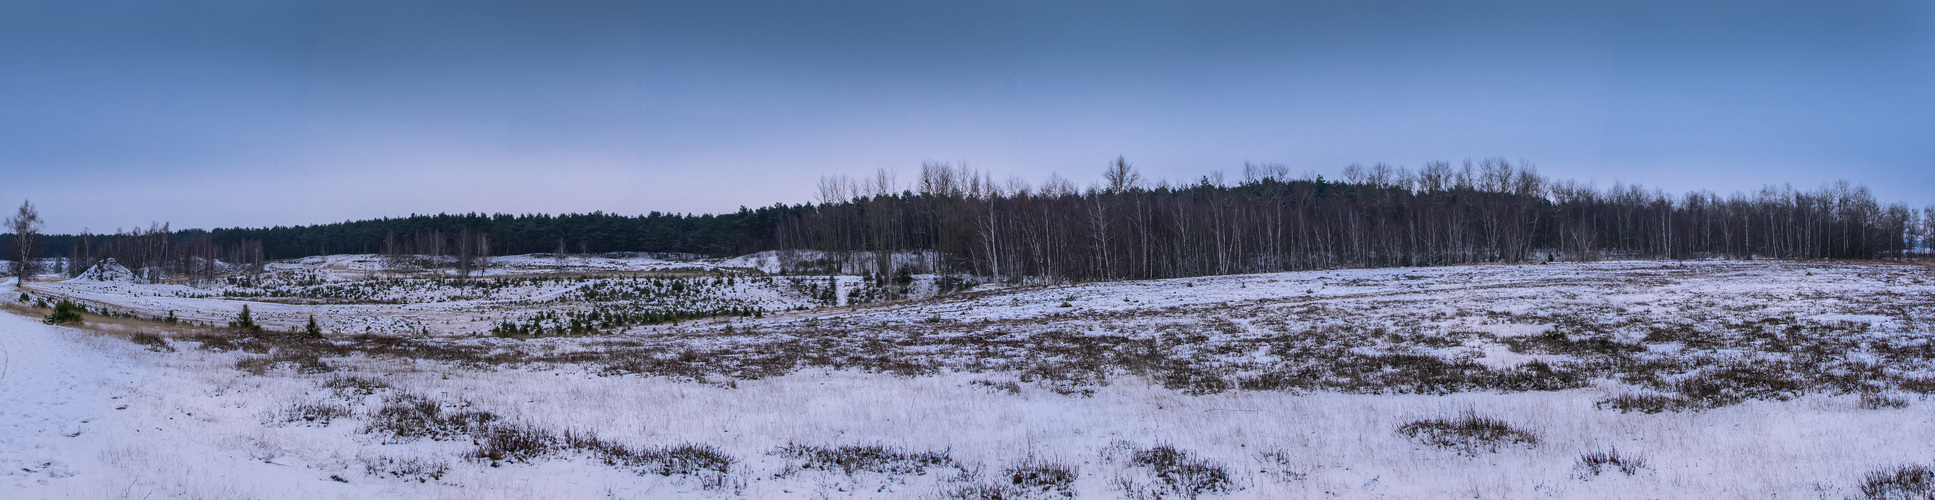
(244, 323)
(312, 330)
(64, 313)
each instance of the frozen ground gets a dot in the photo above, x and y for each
(1720, 379)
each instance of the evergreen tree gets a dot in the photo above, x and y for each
(244, 323)
(312, 330)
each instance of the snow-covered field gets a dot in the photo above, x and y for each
(1721, 379)
(352, 294)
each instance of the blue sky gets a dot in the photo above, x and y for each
(246, 113)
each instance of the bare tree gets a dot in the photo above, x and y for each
(1121, 177)
(25, 226)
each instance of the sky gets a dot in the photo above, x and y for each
(247, 113)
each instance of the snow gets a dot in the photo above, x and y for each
(84, 413)
(108, 271)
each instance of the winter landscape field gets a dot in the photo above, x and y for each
(628, 376)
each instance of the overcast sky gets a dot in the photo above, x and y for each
(251, 113)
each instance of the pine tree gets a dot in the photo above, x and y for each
(64, 313)
(243, 322)
(312, 330)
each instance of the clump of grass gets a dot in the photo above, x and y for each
(1468, 433)
(303, 362)
(1194, 382)
(516, 443)
(1008, 387)
(1173, 472)
(152, 342)
(1037, 475)
(524, 443)
(1594, 463)
(1901, 482)
(1644, 403)
(421, 470)
(1726, 385)
(876, 458)
(414, 417)
(216, 343)
(1286, 467)
(982, 492)
(1877, 401)
(352, 385)
(313, 413)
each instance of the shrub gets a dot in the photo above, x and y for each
(1901, 482)
(152, 342)
(1467, 433)
(65, 313)
(216, 343)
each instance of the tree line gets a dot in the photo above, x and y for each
(1492, 210)
(954, 219)
(748, 230)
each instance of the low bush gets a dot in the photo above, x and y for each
(152, 342)
(1468, 433)
(1912, 481)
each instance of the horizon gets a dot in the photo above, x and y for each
(1230, 182)
(220, 115)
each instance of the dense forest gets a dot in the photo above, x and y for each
(1122, 227)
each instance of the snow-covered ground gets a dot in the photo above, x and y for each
(1719, 379)
(353, 294)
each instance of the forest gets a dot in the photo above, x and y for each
(1123, 227)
